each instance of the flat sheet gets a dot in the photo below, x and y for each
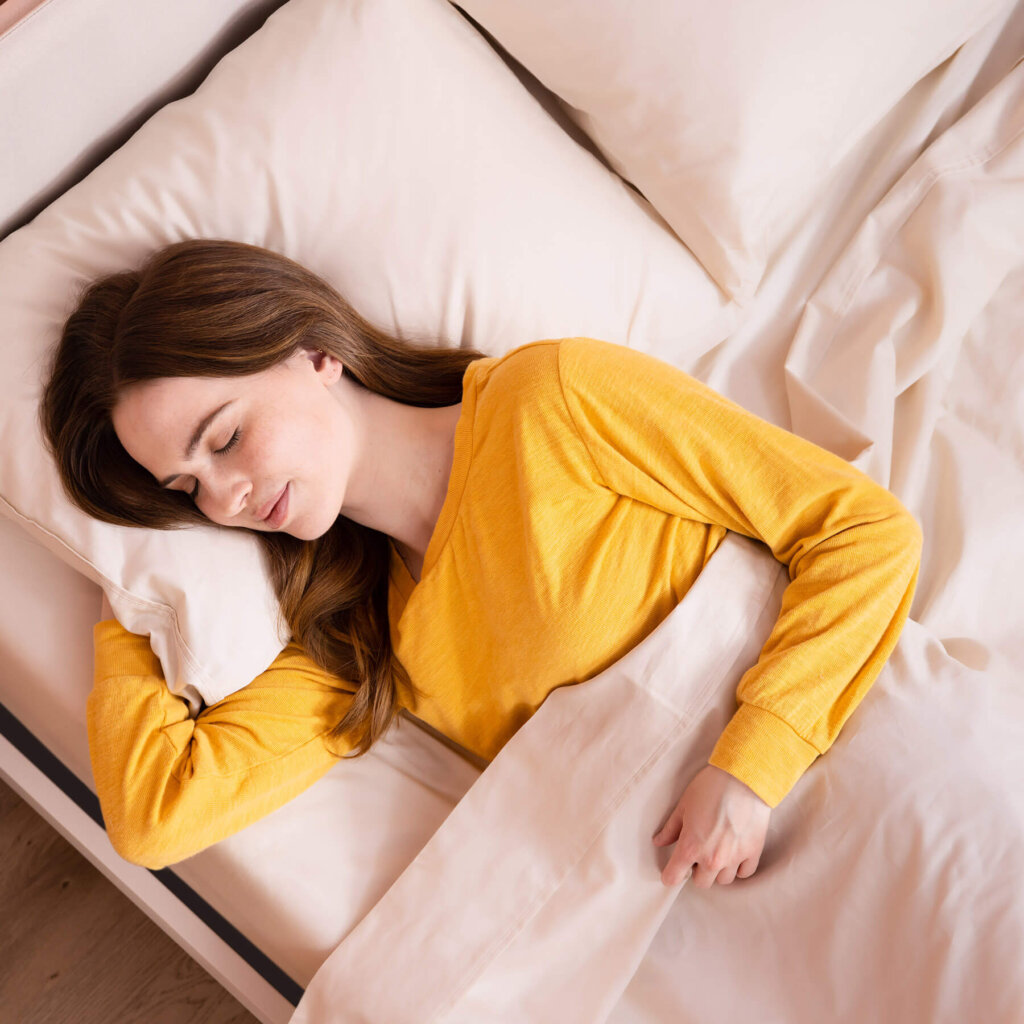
(540, 892)
(890, 887)
(886, 892)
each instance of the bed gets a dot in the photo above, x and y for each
(821, 216)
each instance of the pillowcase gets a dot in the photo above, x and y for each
(384, 145)
(728, 116)
(135, 55)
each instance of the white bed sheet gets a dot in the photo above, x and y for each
(889, 889)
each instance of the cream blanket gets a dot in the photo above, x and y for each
(893, 862)
(542, 890)
(890, 888)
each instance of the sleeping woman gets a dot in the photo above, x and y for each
(449, 534)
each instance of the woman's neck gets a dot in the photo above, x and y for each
(403, 464)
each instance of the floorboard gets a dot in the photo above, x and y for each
(75, 950)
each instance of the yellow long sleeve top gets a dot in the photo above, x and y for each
(589, 487)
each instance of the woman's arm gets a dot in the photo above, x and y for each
(168, 785)
(661, 437)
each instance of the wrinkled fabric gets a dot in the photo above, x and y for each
(496, 918)
(890, 887)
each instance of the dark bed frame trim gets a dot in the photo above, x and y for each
(20, 737)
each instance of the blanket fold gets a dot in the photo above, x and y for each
(554, 840)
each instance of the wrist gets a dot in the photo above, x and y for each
(763, 751)
(737, 784)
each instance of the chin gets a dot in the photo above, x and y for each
(299, 533)
(304, 534)
(310, 531)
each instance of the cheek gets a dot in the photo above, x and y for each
(298, 438)
(280, 447)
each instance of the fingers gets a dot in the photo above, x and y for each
(703, 877)
(719, 827)
(726, 876)
(669, 832)
(748, 867)
(678, 868)
(690, 861)
(678, 871)
(706, 873)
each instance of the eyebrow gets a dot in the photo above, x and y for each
(193, 444)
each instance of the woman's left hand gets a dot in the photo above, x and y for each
(719, 827)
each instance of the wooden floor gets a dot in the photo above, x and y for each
(75, 950)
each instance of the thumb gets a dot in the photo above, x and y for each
(669, 832)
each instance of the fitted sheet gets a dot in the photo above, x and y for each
(957, 467)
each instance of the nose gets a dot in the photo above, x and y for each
(227, 499)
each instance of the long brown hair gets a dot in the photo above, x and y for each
(215, 308)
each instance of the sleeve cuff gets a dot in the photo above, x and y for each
(763, 752)
(120, 653)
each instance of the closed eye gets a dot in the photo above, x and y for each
(231, 444)
(235, 438)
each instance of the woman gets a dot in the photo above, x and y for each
(449, 533)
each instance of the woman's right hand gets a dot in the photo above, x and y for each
(719, 827)
(106, 612)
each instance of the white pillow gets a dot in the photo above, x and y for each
(729, 115)
(386, 146)
(134, 55)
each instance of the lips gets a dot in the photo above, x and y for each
(268, 510)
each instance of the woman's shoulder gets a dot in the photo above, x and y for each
(523, 361)
(539, 365)
(550, 377)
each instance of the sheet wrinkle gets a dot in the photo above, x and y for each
(605, 771)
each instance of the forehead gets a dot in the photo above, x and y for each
(170, 399)
(174, 404)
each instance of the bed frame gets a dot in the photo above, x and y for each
(175, 46)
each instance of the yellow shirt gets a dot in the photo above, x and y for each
(589, 487)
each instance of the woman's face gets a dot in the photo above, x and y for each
(239, 444)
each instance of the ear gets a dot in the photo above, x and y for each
(328, 367)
